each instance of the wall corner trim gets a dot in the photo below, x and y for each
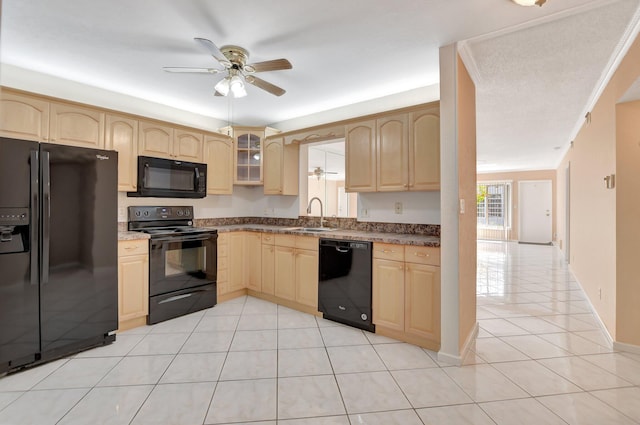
(457, 360)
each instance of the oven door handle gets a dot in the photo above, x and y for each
(182, 296)
(183, 238)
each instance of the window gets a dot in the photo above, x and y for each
(493, 204)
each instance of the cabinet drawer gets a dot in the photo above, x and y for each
(387, 251)
(307, 242)
(223, 238)
(135, 247)
(285, 240)
(223, 251)
(268, 238)
(422, 255)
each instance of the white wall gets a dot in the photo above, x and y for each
(245, 202)
(417, 207)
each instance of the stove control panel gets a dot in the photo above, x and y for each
(160, 213)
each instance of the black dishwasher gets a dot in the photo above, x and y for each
(344, 284)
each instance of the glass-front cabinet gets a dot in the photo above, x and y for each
(248, 153)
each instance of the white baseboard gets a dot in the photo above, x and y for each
(629, 348)
(595, 312)
(457, 360)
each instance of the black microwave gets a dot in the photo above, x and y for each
(167, 178)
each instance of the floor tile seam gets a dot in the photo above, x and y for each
(333, 372)
(569, 354)
(590, 394)
(533, 398)
(571, 380)
(584, 357)
(66, 360)
(74, 405)
(611, 405)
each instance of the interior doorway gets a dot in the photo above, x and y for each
(535, 213)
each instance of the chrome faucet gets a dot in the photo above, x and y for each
(309, 208)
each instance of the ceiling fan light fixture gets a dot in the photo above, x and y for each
(530, 2)
(237, 86)
(223, 86)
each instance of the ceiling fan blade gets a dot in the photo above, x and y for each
(213, 49)
(264, 85)
(182, 69)
(272, 65)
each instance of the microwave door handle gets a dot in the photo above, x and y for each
(145, 173)
(196, 179)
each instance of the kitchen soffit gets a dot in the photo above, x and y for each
(342, 53)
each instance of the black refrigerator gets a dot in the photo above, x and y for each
(58, 251)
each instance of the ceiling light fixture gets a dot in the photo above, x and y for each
(232, 83)
(223, 86)
(530, 2)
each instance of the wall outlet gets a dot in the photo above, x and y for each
(462, 206)
(398, 208)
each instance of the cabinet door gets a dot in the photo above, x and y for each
(307, 277)
(122, 136)
(76, 126)
(236, 261)
(133, 287)
(268, 269)
(424, 150)
(388, 294)
(187, 145)
(24, 117)
(273, 166)
(422, 302)
(392, 143)
(253, 256)
(218, 155)
(360, 157)
(284, 272)
(155, 139)
(248, 159)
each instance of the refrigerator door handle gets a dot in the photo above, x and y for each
(34, 215)
(46, 216)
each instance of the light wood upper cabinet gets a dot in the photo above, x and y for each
(218, 155)
(280, 167)
(392, 143)
(187, 145)
(424, 150)
(133, 279)
(360, 157)
(24, 117)
(155, 139)
(122, 136)
(76, 125)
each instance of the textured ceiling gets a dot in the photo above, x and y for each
(532, 82)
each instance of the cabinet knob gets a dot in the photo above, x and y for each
(401, 267)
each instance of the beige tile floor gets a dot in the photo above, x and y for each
(540, 358)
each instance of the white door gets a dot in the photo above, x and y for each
(535, 213)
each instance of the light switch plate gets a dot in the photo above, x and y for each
(398, 208)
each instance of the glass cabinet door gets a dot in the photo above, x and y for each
(249, 158)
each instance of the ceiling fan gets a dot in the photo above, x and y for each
(319, 172)
(236, 70)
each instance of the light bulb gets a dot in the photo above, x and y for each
(237, 87)
(223, 86)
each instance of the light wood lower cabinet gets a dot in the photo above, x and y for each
(406, 293)
(236, 260)
(253, 260)
(133, 283)
(295, 268)
(268, 269)
(285, 272)
(306, 277)
(239, 263)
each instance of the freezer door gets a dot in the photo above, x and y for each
(79, 288)
(19, 318)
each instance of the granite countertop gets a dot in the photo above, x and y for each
(396, 238)
(131, 236)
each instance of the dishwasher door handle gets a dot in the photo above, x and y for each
(342, 249)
